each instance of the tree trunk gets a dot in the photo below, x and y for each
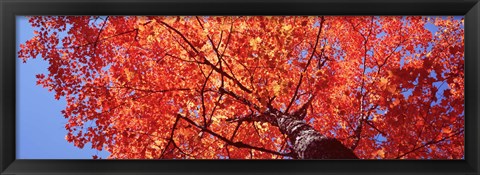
(307, 142)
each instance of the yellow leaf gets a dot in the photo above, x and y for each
(381, 153)
(128, 73)
(255, 42)
(343, 125)
(190, 104)
(276, 89)
(287, 27)
(141, 28)
(396, 102)
(429, 53)
(383, 82)
(151, 39)
(148, 154)
(217, 118)
(158, 142)
(391, 88)
(390, 73)
(446, 130)
(155, 147)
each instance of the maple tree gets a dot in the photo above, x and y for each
(327, 87)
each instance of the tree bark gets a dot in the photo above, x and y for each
(307, 142)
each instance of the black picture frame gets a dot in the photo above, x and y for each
(11, 8)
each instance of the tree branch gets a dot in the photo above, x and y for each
(306, 67)
(239, 98)
(172, 132)
(206, 60)
(429, 143)
(98, 36)
(202, 93)
(229, 142)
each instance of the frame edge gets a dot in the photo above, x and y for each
(472, 30)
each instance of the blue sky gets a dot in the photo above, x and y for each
(40, 125)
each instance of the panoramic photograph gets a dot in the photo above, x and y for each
(240, 87)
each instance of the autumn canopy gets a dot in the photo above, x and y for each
(283, 87)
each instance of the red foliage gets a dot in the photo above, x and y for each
(385, 86)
